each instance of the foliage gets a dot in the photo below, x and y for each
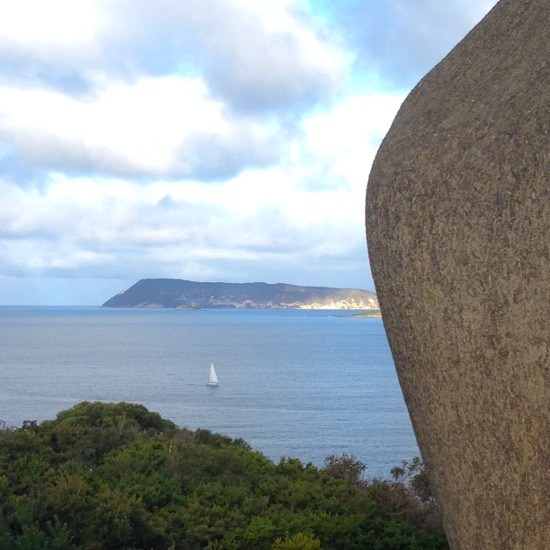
(113, 476)
(346, 467)
(297, 542)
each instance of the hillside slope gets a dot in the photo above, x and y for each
(177, 293)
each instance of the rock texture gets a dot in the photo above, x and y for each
(177, 293)
(458, 230)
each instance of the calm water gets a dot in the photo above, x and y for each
(303, 384)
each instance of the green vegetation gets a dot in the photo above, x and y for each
(116, 476)
(369, 314)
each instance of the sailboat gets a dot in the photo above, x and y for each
(213, 379)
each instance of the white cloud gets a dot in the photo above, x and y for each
(162, 126)
(258, 56)
(263, 216)
(33, 28)
(345, 138)
(205, 139)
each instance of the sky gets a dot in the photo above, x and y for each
(209, 140)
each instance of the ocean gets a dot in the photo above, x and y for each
(295, 383)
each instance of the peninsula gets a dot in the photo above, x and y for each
(181, 294)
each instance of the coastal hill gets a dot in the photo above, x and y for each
(180, 294)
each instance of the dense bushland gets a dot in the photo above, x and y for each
(116, 476)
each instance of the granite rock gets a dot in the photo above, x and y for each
(458, 231)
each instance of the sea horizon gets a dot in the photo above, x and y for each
(298, 383)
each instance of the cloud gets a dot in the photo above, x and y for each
(254, 56)
(256, 211)
(259, 57)
(167, 126)
(342, 141)
(303, 215)
(30, 29)
(201, 89)
(396, 42)
(206, 139)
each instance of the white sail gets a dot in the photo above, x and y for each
(213, 379)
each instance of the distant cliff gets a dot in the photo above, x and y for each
(176, 293)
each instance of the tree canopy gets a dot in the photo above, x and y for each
(116, 476)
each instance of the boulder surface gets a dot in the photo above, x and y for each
(458, 231)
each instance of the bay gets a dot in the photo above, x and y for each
(295, 383)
